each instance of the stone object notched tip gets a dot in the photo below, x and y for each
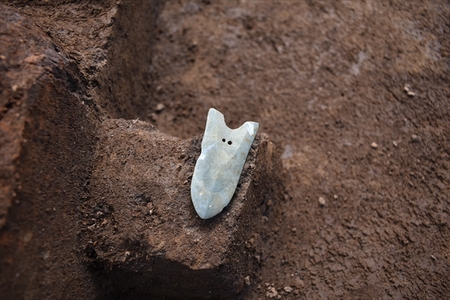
(220, 164)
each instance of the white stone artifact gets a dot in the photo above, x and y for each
(220, 164)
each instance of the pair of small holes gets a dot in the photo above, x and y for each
(229, 142)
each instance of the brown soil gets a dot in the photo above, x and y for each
(368, 165)
(141, 235)
(354, 94)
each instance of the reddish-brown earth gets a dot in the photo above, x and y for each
(326, 80)
(355, 96)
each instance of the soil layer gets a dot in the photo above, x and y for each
(355, 96)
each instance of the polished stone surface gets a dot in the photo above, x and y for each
(220, 164)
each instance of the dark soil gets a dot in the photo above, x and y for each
(354, 94)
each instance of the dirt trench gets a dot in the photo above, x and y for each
(354, 94)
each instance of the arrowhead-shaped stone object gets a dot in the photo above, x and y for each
(220, 164)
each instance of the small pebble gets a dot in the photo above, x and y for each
(272, 292)
(415, 138)
(160, 107)
(395, 143)
(322, 201)
(409, 92)
(288, 289)
(247, 280)
(374, 145)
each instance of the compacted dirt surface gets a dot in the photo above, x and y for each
(354, 95)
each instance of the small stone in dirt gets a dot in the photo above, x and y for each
(322, 201)
(125, 255)
(258, 258)
(247, 280)
(374, 145)
(28, 236)
(415, 138)
(409, 92)
(271, 292)
(395, 143)
(160, 107)
(288, 289)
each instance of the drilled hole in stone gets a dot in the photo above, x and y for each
(230, 142)
(223, 140)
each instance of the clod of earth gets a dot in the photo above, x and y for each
(141, 230)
